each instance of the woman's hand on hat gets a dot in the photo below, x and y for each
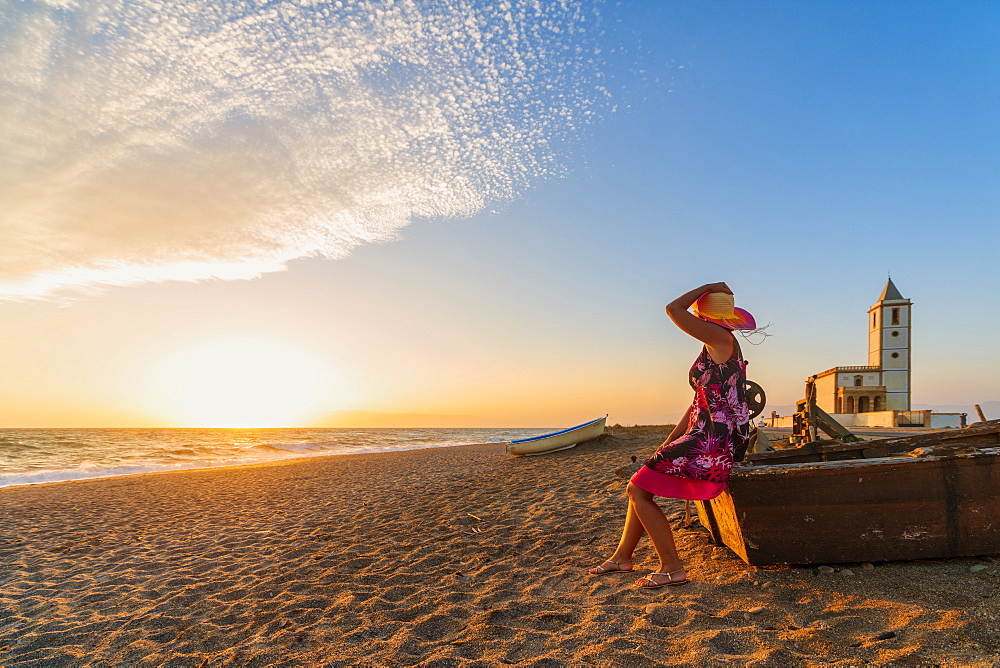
(684, 302)
(718, 287)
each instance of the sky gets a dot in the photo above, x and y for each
(460, 213)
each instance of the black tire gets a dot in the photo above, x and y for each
(756, 399)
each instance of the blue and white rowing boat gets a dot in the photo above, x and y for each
(559, 440)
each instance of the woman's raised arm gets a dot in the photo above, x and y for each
(717, 339)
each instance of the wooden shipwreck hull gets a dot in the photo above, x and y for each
(924, 496)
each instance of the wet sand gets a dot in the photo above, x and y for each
(447, 557)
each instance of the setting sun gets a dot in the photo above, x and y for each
(245, 382)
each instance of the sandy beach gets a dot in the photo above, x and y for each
(458, 556)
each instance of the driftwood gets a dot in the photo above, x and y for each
(924, 496)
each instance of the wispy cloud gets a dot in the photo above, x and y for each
(151, 141)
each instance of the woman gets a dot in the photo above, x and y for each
(694, 462)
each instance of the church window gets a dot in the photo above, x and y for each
(895, 333)
(895, 316)
(862, 404)
(840, 404)
(877, 404)
(850, 404)
(873, 321)
(858, 381)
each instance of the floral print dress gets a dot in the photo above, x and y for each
(719, 428)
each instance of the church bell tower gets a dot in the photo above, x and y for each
(889, 345)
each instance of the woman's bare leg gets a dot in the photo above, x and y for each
(631, 533)
(656, 525)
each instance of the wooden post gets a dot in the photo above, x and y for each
(979, 411)
(811, 407)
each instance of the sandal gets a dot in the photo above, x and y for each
(653, 584)
(601, 570)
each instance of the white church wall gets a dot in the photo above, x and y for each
(902, 321)
(895, 381)
(896, 402)
(826, 391)
(868, 379)
(870, 419)
(900, 340)
(900, 361)
(874, 349)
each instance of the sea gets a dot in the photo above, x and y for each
(32, 456)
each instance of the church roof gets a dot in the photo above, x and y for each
(890, 293)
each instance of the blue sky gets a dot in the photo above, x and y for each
(798, 151)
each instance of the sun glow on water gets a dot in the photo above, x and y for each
(246, 382)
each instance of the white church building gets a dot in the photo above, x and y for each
(878, 394)
(883, 385)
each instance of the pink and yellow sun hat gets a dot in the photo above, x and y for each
(720, 308)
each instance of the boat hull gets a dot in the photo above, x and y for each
(889, 508)
(560, 440)
(916, 497)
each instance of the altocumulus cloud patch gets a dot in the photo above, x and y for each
(148, 141)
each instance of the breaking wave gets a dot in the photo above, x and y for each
(32, 456)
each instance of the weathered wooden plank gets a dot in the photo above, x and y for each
(985, 434)
(980, 435)
(706, 515)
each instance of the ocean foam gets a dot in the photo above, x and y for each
(89, 473)
(61, 455)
